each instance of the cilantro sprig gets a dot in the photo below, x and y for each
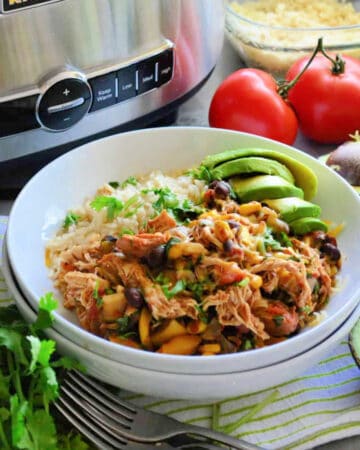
(29, 384)
(71, 219)
(115, 207)
(182, 211)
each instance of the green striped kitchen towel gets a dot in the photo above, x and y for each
(320, 406)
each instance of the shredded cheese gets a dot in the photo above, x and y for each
(276, 33)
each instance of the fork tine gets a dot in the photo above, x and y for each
(85, 401)
(124, 408)
(89, 429)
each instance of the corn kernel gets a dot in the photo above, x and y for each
(249, 208)
(256, 282)
(210, 348)
(222, 230)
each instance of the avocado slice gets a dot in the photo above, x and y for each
(354, 342)
(293, 208)
(252, 165)
(307, 224)
(305, 177)
(260, 187)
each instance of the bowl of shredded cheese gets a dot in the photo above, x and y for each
(272, 35)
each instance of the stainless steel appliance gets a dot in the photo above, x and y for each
(75, 70)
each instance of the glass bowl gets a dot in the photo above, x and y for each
(273, 46)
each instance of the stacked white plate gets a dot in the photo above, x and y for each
(65, 183)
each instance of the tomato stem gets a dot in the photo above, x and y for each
(338, 67)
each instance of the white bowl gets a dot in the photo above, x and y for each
(64, 184)
(178, 385)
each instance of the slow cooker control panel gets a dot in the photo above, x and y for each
(64, 103)
(68, 97)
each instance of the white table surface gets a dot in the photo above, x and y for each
(194, 112)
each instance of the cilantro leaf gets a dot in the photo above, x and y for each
(124, 324)
(131, 180)
(41, 351)
(113, 205)
(278, 320)
(12, 340)
(71, 219)
(19, 433)
(72, 441)
(42, 430)
(45, 318)
(176, 289)
(126, 231)
(244, 282)
(201, 173)
(270, 241)
(166, 199)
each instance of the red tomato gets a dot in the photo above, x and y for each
(247, 100)
(327, 104)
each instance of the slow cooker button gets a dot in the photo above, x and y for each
(126, 83)
(104, 91)
(147, 75)
(165, 67)
(64, 104)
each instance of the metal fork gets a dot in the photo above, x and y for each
(111, 440)
(126, 420)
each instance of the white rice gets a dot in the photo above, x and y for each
(94, 225)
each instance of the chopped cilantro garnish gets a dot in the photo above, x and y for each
(316, 288)
(247, 344)
(70, 219)
(124, 324)
(202, 314)
(306, 309)
(201, 173)
(96, 295)
(270, 241)
(284, 239)
(126, 231)
(278, 320)
(113, 205)
(244, 282)
(197, 289)
(187, 211)
(131, 206)
(166, 200)
(114, 184)
(131, 180)
(179, 286)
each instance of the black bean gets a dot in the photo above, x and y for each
(213, 184)
(109, 238)
(134, 297)
(331, 251)
(228, 246)
(157, 257)
(222, 190)
(107, 244)
(233, 223)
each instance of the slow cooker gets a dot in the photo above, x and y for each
(76, 70)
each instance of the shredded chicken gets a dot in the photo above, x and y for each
(233, 308)
(287, 275)
(141, 244)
